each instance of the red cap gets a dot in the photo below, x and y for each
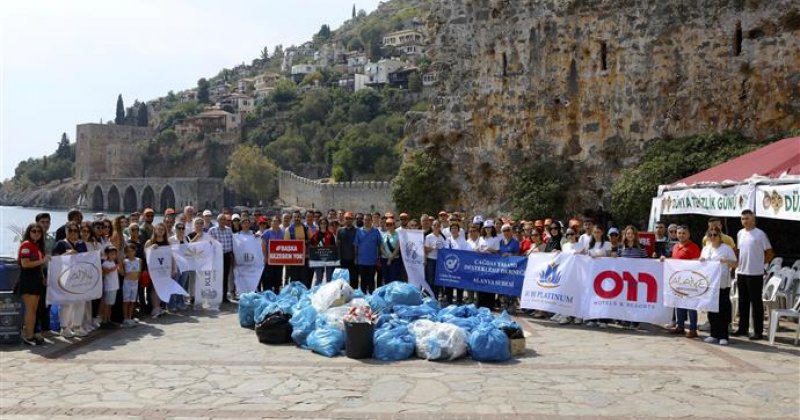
(348, 214)
(262, 219)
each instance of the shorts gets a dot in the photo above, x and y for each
(110, 297)
(130, 288)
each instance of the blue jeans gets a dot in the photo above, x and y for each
(681, 318)
(179, 301)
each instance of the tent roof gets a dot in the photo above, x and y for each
(772, 160)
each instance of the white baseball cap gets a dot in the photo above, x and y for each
(207, 213)
(489, 223)
(477, 220)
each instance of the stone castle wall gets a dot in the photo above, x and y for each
(365, 196)
(109, 151)
(589, 82)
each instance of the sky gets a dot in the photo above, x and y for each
(63, 63)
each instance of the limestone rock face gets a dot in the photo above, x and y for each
(590, 81)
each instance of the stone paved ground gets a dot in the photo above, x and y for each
(200, 365)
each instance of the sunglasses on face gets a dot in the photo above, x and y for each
(570, 234)
(180, 228)
(614, 234)
(72, 230)
(86, 231)
(713, 235)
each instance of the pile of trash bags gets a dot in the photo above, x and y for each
(406, 323)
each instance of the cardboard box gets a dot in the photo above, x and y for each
(517, 346)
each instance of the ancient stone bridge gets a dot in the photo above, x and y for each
(129, 194)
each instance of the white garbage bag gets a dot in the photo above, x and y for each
(330, 294)
(438, 341)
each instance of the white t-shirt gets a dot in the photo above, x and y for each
(585, 240)
(110, 280)
(490, 243)
(600, 250)
(435, 242)
(724, 252)
(752, 244)
(475, 245)
(448, 234)
(572, 248)
(457, 243)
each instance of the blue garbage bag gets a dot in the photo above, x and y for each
(327, 341)
(358, 294)
(248, 302)
(467, 324)
(413, 313)
(383, 318)
(303, 323)
(285, 304)
(393, 341)
(504, 321)
(489, 344)
(452, 311)
(433, 303)
(377, 303)
(400, 293)
(341, 274)
(295, 289)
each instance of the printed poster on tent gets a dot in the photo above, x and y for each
(248, 262)
(553, 283)
(723, 202)
(692, 284)
(778, 201)
(74, 278)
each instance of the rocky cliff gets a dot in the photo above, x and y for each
(53, 195)
(589, 82)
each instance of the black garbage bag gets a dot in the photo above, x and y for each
(513, 333)
(275, 329)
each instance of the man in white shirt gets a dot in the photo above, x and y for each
(754, 251)
(586, 238)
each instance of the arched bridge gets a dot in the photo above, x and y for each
(130, 194)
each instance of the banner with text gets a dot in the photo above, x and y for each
(74, 278)
(286, 252)
(248, 262)
(725, 202)
(480, 272)
(195, 256)
(323, 256)
(555, 283)
(412, 251)
(160, 268)
(690, 285)
(208, 283)
(778, 201)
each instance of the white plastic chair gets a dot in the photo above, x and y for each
(770, 292)
(796, 266)
(776, 262)
(776, 315)
(734, 299)
(785, 296)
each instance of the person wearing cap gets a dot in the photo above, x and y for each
(224, 235)
(554, 244)
(146, 227)
(257, 215)
(613, 239)
(345, 239)
(207, 222)
(262, 224)
(368, 242)
(391, 260)
(236, 223)
(491, 240)
(272, 276)
(169, 220)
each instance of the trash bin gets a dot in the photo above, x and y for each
(9, 273)
(11, 315)
(358, 339)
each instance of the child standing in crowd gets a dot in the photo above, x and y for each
(132, 270)
(110, 286)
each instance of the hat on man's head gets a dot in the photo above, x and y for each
(262, 220)
(236, 217)
(613, 231)
(477, 220)
(207, 213)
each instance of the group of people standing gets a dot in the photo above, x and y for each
(368, 247)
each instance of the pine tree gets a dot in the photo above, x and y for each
(354, 10)
(202, 91)
(64, 151)
(141, 116)
(120, 119)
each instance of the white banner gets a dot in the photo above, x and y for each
(724, 202)
(413, 253)
(208, 283)
(555, 284)
(248, 262)
(160, 268)
(778, 201)
(74, 278)
(692, 285)
(627, 289)
(196, 256)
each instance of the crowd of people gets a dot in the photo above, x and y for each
(369, 248)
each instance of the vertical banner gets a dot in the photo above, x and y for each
(480, 272)
(208, 283)
(692, 285)
(413, 252)
(628, 289)
(554, 283)
(248, 262)
(160, 268)
(196, 256)
(74, 278)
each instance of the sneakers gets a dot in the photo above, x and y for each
(565, 320)
(39, 340)
(602, 325)
(96, 322)
(29, 341)
(578, 321)
(710, 340)
(156, 312)
(80, 333)
(555, 317)
(67, 333)
(723, 342)
(670, 326)
(591, 324)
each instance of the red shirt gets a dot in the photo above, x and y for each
(30, 251)
(524, 246)
(689, 251)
